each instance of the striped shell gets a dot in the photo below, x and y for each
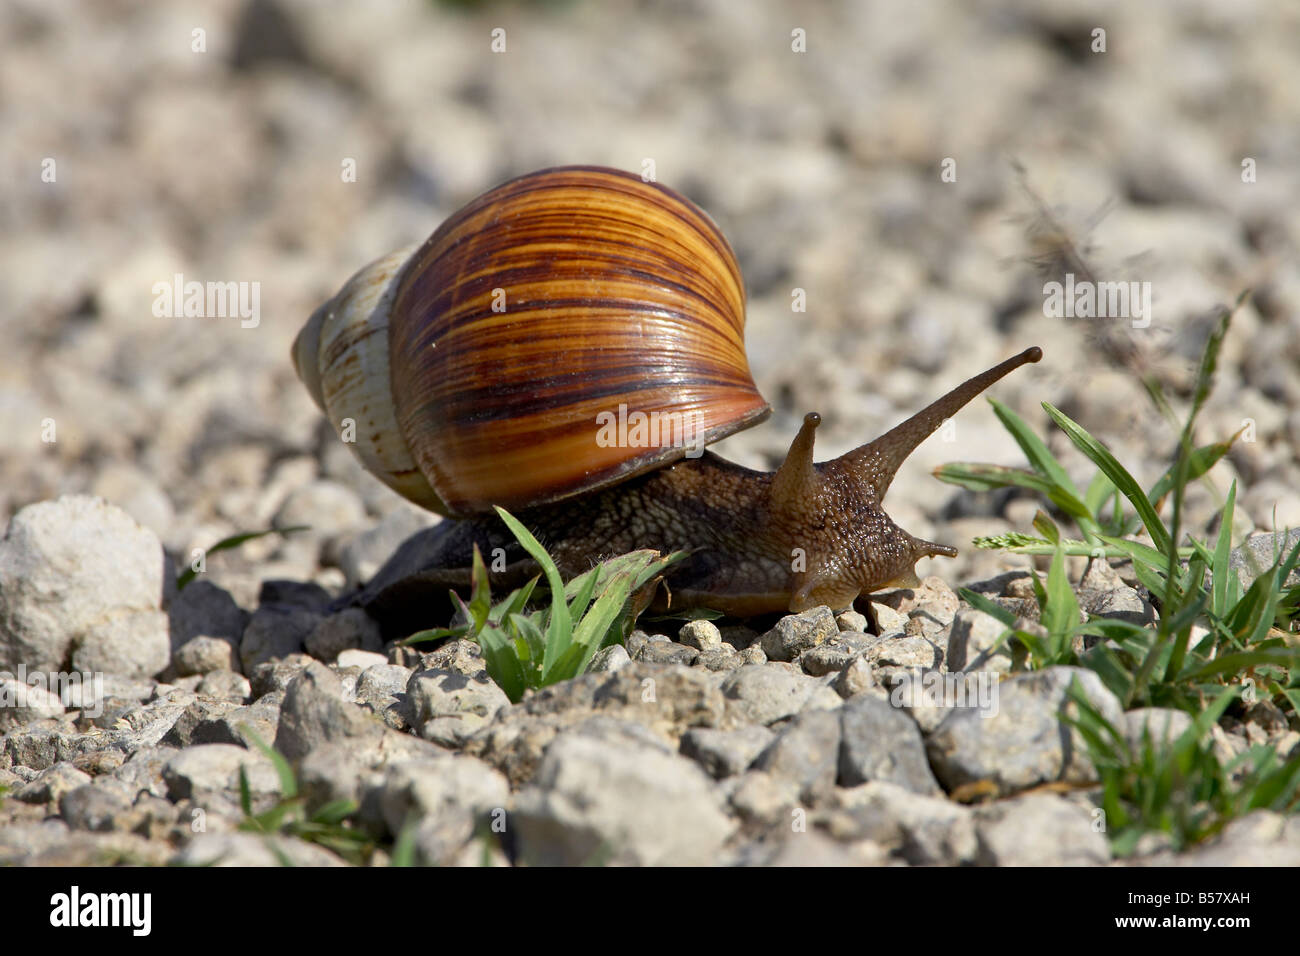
(510, 359)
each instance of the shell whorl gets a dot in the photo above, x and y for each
(479, 366)
(552, 300)
(342, 356)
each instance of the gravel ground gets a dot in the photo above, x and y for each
(215, 140)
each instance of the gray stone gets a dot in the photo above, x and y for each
(833, 655)
(252, 849)
(381, 689)
(52, 784)
(806, 751)
(880, 742)
(361, 659)
(97, 807)
(609, 659)
(1257, 554)
(225, 685)
(700, 635)
(1163, 725)
(1121, 603)
(275, 632)
(460, 656)
(204, 654)
(182, 731)
(314, 713)
(447, 707)
(108, 575)
(206, 768)
(349, 629)
(762, 694)
(22, 702)
(275, 676)
(239, 724)
(666, 652)
(1038, 829)
(766, 799)
(796, 633)
(722, 657)
(300, 595)
(924, 831)
(1024, 743)
(855, 678)
(201, 609)
(594, 801)
(447, 796)
(724, 753)
(129, 642)
(970, 643)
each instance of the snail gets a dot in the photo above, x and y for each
(563, 347)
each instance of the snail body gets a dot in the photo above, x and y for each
(559, 347)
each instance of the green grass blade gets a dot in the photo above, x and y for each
(559, 631)
(288, 782)
(1117, 473)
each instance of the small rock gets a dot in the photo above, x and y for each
(924, 831)
(214, 768)
(609, 659)
(275, 632)
(95, 807)
(52, 784)
(1163, 725)
(225, 685)
(666, 652)
(314, 713)
(855, 678)
(765, 694)
(725, 753)
(289, 593)
(460, 656)
(1022, 743)
(203, 654)
(351, 628)
(598, 802)
(835, 653)
(851, 621)
(252, 849)
(111, 581)
(700, 635)
(447, 796)
(1038, 829)
(888, 620)
(1258, 553)
(807, 751)
(201, 609)
(970, 643)
(763, 798)
(22, 702)
(362, 659)
(796, 633)
(447, 707)
(882, 743)
(276, 675)
(720, 658)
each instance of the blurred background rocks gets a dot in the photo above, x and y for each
(209, 139)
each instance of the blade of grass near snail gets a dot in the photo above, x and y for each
(559, 631)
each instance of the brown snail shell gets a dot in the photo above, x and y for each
(475, 368)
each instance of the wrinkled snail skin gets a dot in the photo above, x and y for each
(617, 293)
